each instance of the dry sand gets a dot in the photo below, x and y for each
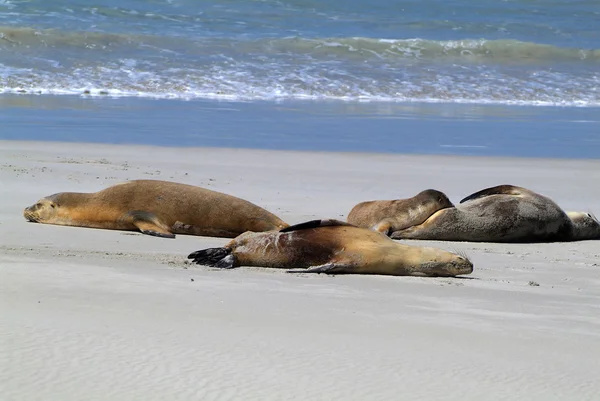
(108, 315)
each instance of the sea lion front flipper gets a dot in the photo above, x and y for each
(149, 224)
(328, 268)
(498, 190)
(214, 257)
(314, 224)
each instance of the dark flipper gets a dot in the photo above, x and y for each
(314, 224)
(215, 257)
(149, 224)
(499, 190)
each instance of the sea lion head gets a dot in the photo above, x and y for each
(437, 262)
(45, 210)
(585, 225)
(435, 196)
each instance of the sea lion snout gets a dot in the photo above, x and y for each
(462, 266)
(42, 210)
(30, 213)
(584, 225)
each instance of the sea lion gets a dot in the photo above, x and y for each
(505, 213)
(333, 247)
(159, 208)
(388, 216)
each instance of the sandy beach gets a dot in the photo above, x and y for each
(108, 315)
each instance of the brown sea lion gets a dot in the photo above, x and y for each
(505, 213)
(333, 247)
(388, 216)
(159, 208)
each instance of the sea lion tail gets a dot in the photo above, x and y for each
(214, 257)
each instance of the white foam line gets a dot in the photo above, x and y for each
(285, 96)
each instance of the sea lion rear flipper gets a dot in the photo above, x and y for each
(328, 268)
(498, 190)
(314, 224)
(214, 257)
(149, 224)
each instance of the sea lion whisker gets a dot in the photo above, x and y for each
(463, 253)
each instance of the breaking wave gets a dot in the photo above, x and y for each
(352, 68)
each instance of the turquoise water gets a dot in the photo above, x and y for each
(525, 52)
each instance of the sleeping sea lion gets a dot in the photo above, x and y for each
(388, 216)
(333, 247)
(159, 208)
(505, 213)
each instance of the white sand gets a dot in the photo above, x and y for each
(108, 315)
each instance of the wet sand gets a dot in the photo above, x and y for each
(406, 128)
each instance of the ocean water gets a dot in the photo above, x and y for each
(511, 77)
(523, 52)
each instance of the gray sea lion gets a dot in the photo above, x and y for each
(505, 213)
(159, 208)
(388, 216)
(333, 247)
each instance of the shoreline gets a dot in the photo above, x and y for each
(309, 152)
(394, 128)
(84, 146)
(97, 314)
